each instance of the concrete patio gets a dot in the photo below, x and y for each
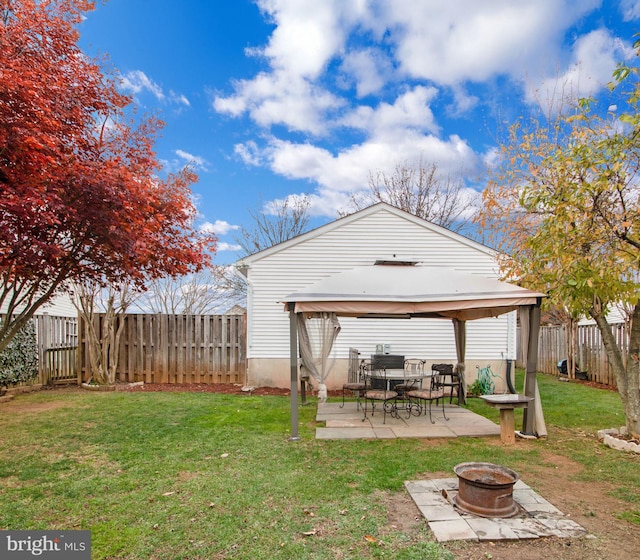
(535, 516)
(346, 423)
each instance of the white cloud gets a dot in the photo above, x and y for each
(307, 36)
(308, 33)
(280, 98)
(369, 68)
(325, 60)
(459, 40)
(326, 202)
(410, 111)
(471, 202)
(463, 102)
(179, 99)
(350, 168)
(195, 161)
(594, 58)
(492, 157)
(219, 227)
(630, 9)
(137, 82)
(445, 43)
(249, 153)
(227, 247)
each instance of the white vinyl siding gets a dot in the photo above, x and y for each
(380, 233)
(58, 306)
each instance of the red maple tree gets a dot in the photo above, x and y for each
(80, 188)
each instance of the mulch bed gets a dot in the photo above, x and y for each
(237, 389)
(595, 385)
(224, 388)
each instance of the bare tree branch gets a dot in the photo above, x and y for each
(212, 290)
(275, 222)
(417, 189)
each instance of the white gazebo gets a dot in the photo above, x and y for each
(407, 290)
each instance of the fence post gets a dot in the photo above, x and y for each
(44, 332)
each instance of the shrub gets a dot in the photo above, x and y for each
(474, 390)
(19, 361)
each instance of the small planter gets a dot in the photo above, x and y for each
(92, 387)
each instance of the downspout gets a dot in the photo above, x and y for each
(509, 380)
(512, 349)
(244, 270)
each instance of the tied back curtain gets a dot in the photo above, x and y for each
(317, 332)
(460, 332)
(539, 425)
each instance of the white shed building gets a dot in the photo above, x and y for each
(378, 233)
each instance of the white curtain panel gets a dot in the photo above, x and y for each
(316, 333)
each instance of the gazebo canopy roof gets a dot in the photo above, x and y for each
(395, 290)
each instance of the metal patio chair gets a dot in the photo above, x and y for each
(421, 399)
(376, 376)
(357, 386)
(450, 380)
(413, 376)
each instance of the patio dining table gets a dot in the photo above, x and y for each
(395, 375)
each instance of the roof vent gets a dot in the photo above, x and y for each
(396, 263)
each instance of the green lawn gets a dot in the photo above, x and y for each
(202, 476)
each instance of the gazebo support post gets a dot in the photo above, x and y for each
(293, 350)
(528, 419)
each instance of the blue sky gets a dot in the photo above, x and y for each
(276, 98)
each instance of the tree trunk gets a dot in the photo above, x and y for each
(104, 336)
(627, 371)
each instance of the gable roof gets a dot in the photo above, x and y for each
(366, 212)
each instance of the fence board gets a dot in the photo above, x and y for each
(56, 333)
(197, 335)
(163, 347)
(61, 365)
(179, 349)
(591, 354)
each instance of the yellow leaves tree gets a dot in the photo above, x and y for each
(564, 208)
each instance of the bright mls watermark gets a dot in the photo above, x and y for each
(47, 545)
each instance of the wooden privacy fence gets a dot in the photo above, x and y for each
(552, 347)
(177, 349)
(57, 340)
(60, 365)
(591, 355)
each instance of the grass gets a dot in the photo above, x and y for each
(201, 475)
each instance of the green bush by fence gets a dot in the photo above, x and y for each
(19, 361)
